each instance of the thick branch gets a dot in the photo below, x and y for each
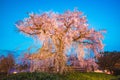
(68, 26)
(79, 37)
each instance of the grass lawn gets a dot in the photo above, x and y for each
(67, 76)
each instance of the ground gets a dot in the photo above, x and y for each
(66, 76)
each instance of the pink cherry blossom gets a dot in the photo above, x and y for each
(63, 30)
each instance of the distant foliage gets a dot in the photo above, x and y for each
(6, 63)
(110, 61)
(58, 33)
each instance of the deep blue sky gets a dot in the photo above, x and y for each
(101, 14)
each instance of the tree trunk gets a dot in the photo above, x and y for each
(60, 60)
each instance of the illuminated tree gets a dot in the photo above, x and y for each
(60, 32)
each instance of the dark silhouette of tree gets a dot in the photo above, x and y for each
(7, 63)
(109, 61)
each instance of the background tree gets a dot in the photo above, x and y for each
(7, 63)
(62, 31)
(110, 61)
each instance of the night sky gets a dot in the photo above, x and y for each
(101, 14)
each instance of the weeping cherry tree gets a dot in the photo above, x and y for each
(60, 32)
